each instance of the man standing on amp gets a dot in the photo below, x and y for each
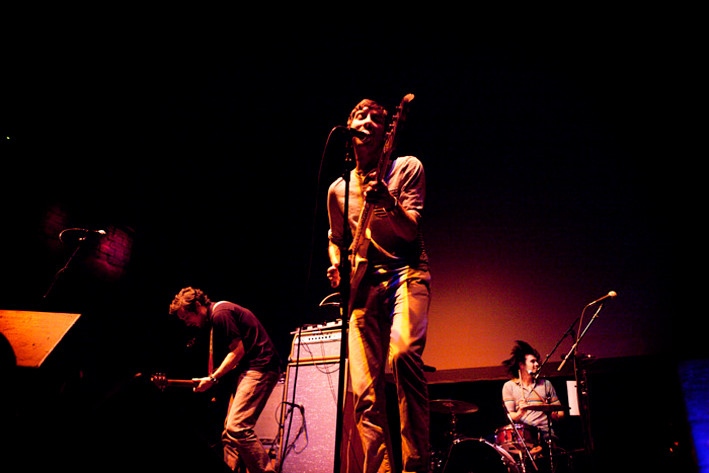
(389, 315)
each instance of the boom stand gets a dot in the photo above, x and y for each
(344, 307)
(64, 268)
(581, 383)
(580, 374)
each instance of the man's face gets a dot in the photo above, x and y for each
(196, 318)
(372, 122)
(531, 364)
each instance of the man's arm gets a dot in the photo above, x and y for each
(231, 361)
(404, 223)
(333, 272)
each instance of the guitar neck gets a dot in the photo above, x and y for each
(180, 383)
(162, 382)
(365, 215)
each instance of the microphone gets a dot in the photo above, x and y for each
(611, 294)
(351, 132)
(83, 231)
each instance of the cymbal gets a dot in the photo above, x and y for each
(451, 406)
(545, 407)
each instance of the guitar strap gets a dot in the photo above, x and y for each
(384, 252)
(210, 363)
(361, 180)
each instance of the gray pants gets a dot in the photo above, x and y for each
(239, 439)
(388, 326)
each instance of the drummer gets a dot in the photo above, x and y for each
(528, 400)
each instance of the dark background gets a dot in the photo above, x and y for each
(544, 142)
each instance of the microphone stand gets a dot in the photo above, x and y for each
(569, 331)
(522, 442)
(578, 340)
(580, 375)
(345, 290)
(64, 268)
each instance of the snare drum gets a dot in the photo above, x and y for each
(476, 454)
(509, 440)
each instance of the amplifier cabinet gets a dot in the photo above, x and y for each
(309, 418)
(316, 344)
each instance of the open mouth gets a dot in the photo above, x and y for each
(366, 138)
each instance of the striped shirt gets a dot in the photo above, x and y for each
(541, 393)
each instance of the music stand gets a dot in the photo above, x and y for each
(34, 335)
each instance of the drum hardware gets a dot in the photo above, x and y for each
(548, 408)
(524, 451)
(452, 407)
(478, 455)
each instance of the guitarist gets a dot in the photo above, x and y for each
(240, 345)
(389, 316)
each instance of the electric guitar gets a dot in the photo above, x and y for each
(360, 240)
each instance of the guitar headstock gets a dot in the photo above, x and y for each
(159, 380)
(401, 110)
(396, 121)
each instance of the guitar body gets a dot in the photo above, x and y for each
(362, 236)
(359, 268)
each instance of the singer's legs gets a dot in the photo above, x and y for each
(408, 338)
(368, 344)
(391, 327)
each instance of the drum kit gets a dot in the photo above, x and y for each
(517, 447)
(514, 448)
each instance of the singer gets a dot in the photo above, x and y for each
(524, 396)
(240, 344)
(389, 316)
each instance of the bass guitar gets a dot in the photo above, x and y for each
(360, 240)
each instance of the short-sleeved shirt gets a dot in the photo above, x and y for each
(406, 181)
(541, 393)
(232, 323)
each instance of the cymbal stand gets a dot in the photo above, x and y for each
(452, 433)
(549, 439)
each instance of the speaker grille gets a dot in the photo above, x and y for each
(309, 444)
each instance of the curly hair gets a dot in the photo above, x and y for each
(519, 354)
(187, 298)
